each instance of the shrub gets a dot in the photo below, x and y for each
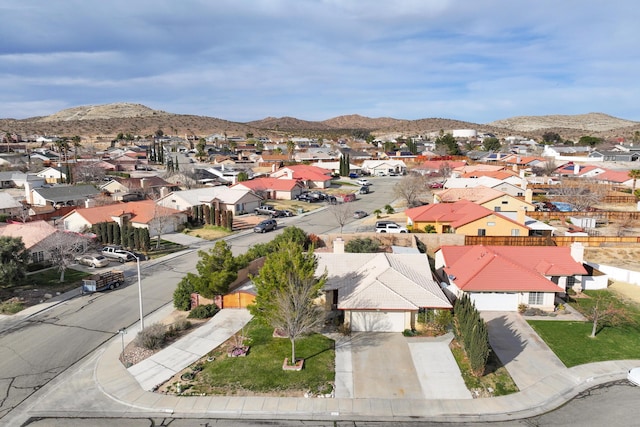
(429, 228)
(359, 245)
(522, 307)
(442, 321)
(182, 294)
(203, 311)
(409, 333)
(152, 337)
(178, 326)
(11, 306)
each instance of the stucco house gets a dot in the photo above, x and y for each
(384, 167)
(489, 198)
(272, 188)
(487, 181)
(60, 195)
(53, 175)
(141, 214)
(501, 278)
(467, 218)
(380, 292)
(8, 204)
(236, 200)
(34, 235)
(120, 188)
(309, 176)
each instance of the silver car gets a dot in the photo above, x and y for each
(93, 260)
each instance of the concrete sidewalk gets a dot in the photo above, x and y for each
(103, 387)
(160, 367)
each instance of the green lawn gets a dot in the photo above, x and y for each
(261, 370)
(570, 341)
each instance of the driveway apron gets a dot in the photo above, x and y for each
(520, 349)
(383, 367)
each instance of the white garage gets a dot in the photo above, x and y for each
(495, 301)
(377, 321)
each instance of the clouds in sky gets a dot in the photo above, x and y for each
(317, 59)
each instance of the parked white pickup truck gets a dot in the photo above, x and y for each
(117, 253)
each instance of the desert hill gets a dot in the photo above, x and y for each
(106, 121)
(593, 122)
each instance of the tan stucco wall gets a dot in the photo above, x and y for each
(512, 205)
(502, 227)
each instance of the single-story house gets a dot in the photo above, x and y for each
(384, 167)
(487, 181)
(272, 188)
(142, 214)
(236, 200)
(120, 187)
(309, 176)
(9, 205)
(467, 218)
(53, 175)
(60, 195)
(490, 198)
(615, 156)
(34, 235)
(501, 278)
(380, 292)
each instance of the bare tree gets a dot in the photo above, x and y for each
(410, 188)
(88, 172)
(63, 248)
(582, 193)
(606, 313)
(445, 170)
(546, 168)
(162, 217)
(341, 212)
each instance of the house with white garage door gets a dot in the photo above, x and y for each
(500, 278)
(380, 292)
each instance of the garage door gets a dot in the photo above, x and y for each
(377, 321)
(495, 301)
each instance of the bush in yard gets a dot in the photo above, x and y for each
(203, 311)
(182, 294)
(358, 245)
(152, 337)
(178, 326)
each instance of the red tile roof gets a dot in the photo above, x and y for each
(479, 194)
(508, 268)
(32, 233)
(499, 174)
(141, 212)
(456, 214)
(308, 173)
(614, 176)
(262, 184)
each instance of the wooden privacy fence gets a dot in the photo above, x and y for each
(594, 241)
(604, 215)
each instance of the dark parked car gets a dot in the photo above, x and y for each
(266, 225)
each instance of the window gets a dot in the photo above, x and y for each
(505, 202)
(536, 298)
(515, 232)
(482, 232)
(491, 223)
(571, 280)
(37, 256)
(496, 208)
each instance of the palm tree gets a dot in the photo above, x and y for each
(290, 147)
(634, 174)
(76, 144)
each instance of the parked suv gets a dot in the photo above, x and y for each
(389, 227)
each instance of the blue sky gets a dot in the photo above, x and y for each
(244, 60)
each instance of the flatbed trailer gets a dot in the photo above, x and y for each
(102, 281)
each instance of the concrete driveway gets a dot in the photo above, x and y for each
(391, 366)
(520, 349)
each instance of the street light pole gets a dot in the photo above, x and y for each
(139, 288)
(123, 331)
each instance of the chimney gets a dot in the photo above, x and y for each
(576, 169)
(143, 183)
(289, 174)
(273, 167)
(28, 194)
(338, 246)
(89, 203)
(163, 191)
(577, 252)
(514, 167)
(520, 216)
(528, 195)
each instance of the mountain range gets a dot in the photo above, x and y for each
(108, 120)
